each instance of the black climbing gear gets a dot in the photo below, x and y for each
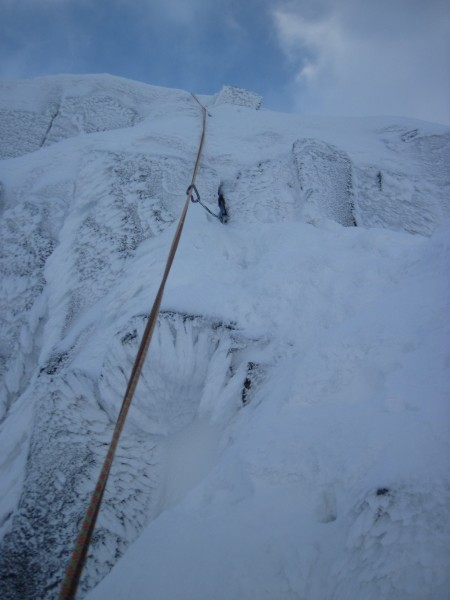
(223, 216)
(189, 193)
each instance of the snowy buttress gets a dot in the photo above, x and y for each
(289, 436)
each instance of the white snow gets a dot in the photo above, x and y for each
(326, 477)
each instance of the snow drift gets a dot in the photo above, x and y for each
(289, 436)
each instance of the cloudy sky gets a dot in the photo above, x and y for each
(338, 57)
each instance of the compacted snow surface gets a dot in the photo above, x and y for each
(289, 438)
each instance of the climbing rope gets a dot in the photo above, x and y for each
(76, 563)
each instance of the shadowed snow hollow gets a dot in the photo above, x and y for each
(187, 394)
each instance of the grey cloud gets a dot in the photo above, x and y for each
(363, 58)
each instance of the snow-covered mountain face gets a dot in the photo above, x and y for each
(289, 436)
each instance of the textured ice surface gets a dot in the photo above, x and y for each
(238, 97)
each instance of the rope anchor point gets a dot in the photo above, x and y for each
(189, 193)
(223, 214)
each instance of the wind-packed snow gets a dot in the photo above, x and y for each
(289, 438)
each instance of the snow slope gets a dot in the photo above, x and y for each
(289, 437)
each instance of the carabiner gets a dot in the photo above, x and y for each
(188, 193)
